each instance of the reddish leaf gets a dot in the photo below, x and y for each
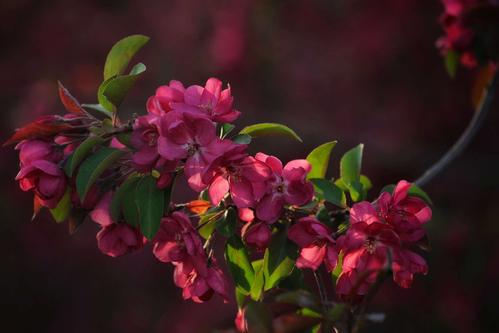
(198, 206)
(69, 102)
(44, 127)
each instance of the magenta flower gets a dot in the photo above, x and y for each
(165, 95)
(286, 186)
(405, 213)
(114, 239)
(256, 234)
(315, 242)
(190, 137)
(118, 239)
(365, 246)
(178, 241)
(234, 172)
(209, 100)
(405, 264)
(201, 285)
(40, 173)
(144, 139)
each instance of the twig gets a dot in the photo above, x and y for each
(467, 136)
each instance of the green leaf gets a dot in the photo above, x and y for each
(118, 202)
(279, 258)
(227, 224)
(61, 212)
(366, 183)
(264, 129)
(417, 191)
(351, 164)
(319, 159)
(113, 90)
(81, 152)
(239, 264)
(121, 53)
(451, 63)
(208, 223)
(129, 206)
(356, 190)
(151, 204)
(339, 267)
(93, 167)
(259, 280)
(242, 139)
(225, 129)
(258, 317)
(327, 190)
(99, 108)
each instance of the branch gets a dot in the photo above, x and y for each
(466, 137)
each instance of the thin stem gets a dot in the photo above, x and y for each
(322, 290)
(467, 136)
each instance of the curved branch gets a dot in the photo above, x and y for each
(467, 136)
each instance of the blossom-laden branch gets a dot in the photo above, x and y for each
(279, 221)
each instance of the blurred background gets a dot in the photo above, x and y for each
(351, 70)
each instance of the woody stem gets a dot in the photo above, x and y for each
(466, 137)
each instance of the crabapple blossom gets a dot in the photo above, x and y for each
(286, 186)
(209, 100)
(315, 242)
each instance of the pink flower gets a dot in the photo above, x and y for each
(198, 285)
(286, 186)
(256, 234)
(46, 179)
(114, 239)
(365, 246)
(406, 213)
(405, 264)
(238, 174)
(316, 243)
(190, 137)
(144, 139)
(101, 213)
(33, 150)
(178, 241)
(118, 239)
(209, 100)
(165, 95)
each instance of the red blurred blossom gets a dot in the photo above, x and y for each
(286, 186)
(209, 100)
(234, 172)
(315, 242)
(471, 29)
(405, 213)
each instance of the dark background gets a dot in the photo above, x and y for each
(352, 70)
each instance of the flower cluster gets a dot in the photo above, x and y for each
(471, 31)
(275, 218)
